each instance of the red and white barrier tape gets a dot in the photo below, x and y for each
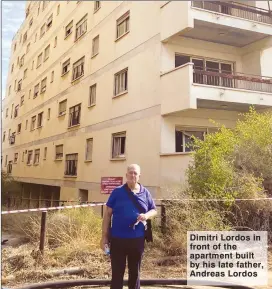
(100, 204)
(51, 208)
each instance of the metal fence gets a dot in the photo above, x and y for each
(236, 9)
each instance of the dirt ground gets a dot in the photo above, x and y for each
(95, 266)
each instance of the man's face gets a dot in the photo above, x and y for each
(133, 175)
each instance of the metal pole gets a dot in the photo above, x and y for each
(102, 211)
(163, 218)
(43, 231)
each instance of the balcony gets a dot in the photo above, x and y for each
(188, 87)
(227, 23)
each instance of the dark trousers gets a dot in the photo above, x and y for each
(122, 250)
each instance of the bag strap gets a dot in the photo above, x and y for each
(133, 199)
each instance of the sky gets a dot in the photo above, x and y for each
(13, 15)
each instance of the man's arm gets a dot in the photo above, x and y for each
(106, 227)
(150, 214)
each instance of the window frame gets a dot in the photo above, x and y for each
(59, 158)
(93, 46)
(33, 122)
(66, 28)
(83, 22)
(60, 113)
(66, 173)
(118, 74)
(70, 122)
(118, 155)
(78, 63)
(29, 160)
(124, 18)
(36, 90)
(47, 48)
(90, 95)
(43, 85)
(39, 58)
(64, 64)
(35, 162)
(40, 120)
(97, 7)
(91, 150)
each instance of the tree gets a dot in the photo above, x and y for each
(235, 162)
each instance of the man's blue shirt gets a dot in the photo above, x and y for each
(125, 212)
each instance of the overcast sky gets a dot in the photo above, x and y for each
(13, 15)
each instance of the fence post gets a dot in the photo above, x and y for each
(163, 219)
(102, 211)
(43, 231)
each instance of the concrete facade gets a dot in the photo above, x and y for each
(146, 104)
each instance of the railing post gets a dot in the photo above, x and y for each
(43, 231)
(102, 211)
(163, 219)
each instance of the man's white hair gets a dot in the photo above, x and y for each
(134, 166)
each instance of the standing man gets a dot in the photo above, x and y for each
(126, 240)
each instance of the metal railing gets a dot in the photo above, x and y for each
(232, 80)
(236, 9)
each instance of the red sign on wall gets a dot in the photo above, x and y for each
(108, 184)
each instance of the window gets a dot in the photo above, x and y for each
(40, 119)
(11, 110)
(71, 165)
(36, 90)
(45, 4)
(68, 29)
(35, 38)
(12, 138)
(29, 157)
(36, 156)
(33, 122)
(39, 60)
(81, 27)
(19, 128)
(29, 93)
(28, 47)
(12, 67)
(6, 161)
(122, 25)
(118, 145)
(97, 5)
(20, 38)
(22, 60)
(9, 168)
(45, 153)
(9, 133)
(22, 100)
(4, 136)
(25, 73)
(78, 68)
(25, 37)
(55, 41)
(58, 10)
(62, 107)
(121, 82)
(26, 123)
(185, 139)
(52, 76)
(65, 66)
(9, 90)
(18, 60)
(14, 47)
(42, 31)
(48, 113)
(15, 84)
(95, 48)
(46, 52)
(74, 115)
(16, 110)
(92, 99)
(43, 85)
(19, 88)
(15, 158)
(49, 21)
(32, 65)
(23, 156)
(59, 152)
(7, 112)
(30, 22)
(213, 67)
(89, 149)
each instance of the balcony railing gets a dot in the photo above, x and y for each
(232, 80)
(236, 9)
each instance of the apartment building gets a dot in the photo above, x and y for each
(94, 86)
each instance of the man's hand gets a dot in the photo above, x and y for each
(103, 242)
(142, 217)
